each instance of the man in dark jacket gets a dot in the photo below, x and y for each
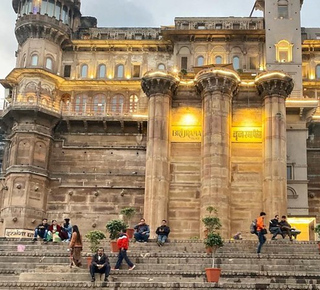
(100, 264)
(163, 233)
(285, 227)
(41, 231)
(142, 231)
(274, 227)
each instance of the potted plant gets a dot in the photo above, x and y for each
(128, 213)
(94, 238)
(317, 231)
(115, 227)
(213, 241)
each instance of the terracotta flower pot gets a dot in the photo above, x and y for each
(209, 250)
(114, 247)
(89, 260)
(129, 233)
(213, 274)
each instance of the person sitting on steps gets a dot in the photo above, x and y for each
(285, 227)
(100, 264)
(42, 231)
(142, 231)
(274, 227)
(163, 233)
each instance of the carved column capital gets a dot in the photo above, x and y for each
(158, 82)
(274, 83)
(217, 79)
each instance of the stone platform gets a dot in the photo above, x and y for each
(177, 265)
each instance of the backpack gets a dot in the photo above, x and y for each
(253, 227)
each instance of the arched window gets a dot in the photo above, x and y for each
(99, 104)
(200, 61)
(49, 63)
(64, 17)
(284, 51)
(34, 60)
(120, 71)
(80, 103)
(283, 9)
(102, 71)
(161, 66)
(44, 5)
(58, 11)
(218, 60)
(236, 62)
(133, 103)
(50, 8)
(117, 104)
(84, 71)
(318, 71)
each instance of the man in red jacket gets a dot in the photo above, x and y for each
(123, 245)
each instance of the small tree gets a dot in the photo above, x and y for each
(115, 227)
(94, 238)
(128, 214)
(212, 224)
(317, 230)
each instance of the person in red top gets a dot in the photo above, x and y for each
(123, 245)
(261, 229)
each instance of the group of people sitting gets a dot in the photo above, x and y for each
(142, 232)
(282, 228)
(53, 232)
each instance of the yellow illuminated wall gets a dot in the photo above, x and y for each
(186, 125)
(304, 225)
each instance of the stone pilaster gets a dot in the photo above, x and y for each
(159, 87)
(217, 87)
(274, 88)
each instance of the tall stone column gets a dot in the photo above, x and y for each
(159, 87)
(274, 88)
(217, 87)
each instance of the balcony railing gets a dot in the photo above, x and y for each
(86, 109)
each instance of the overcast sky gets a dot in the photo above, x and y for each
(140, 13)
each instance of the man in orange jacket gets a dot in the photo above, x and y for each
(261, 229)
(123, 245)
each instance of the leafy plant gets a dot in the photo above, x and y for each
(317, 230)
(128, 214)
(115, 227)
(94, 238)
(212, 224)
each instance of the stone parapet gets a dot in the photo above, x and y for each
(157, 82)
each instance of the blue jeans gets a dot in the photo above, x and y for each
(275, 231)
(41, 234)
(262, 240)
(162, 238)
(141, 237)
(123, 255)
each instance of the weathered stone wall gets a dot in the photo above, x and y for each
(94, 177)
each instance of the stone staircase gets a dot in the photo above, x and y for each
(177, 265)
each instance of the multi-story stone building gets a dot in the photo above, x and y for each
(169, 120)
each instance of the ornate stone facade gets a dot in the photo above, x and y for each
(170, 120)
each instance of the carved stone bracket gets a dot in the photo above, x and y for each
(159, 83)
(217, 79)
(274, 83)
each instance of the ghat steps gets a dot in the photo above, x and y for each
(177, 265)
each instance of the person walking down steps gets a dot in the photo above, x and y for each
(123, 245)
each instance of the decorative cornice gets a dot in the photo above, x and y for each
(158, 82)
(217, 79)
(274, 83)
